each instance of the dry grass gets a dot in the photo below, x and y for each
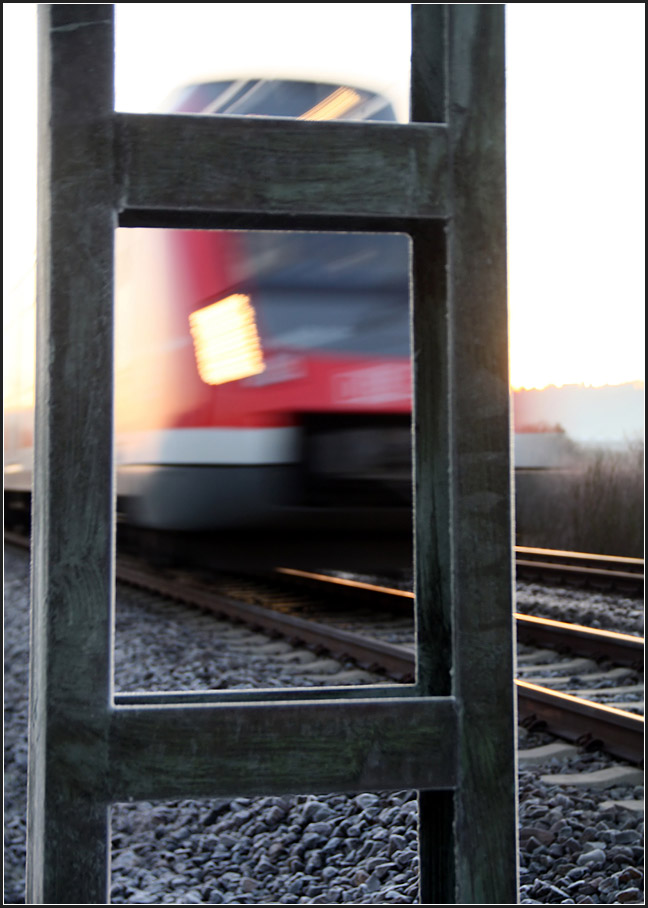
(596, 507)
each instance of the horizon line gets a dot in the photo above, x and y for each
(639, 383)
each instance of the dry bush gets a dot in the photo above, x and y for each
(596, 507)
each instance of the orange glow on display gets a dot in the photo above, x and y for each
(335, 105)
(226, 340)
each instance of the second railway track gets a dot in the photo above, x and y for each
(606, 572)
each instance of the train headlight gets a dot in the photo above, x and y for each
(226, 340)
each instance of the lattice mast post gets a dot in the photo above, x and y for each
(441, 181)
(73, 510)
(463, 526)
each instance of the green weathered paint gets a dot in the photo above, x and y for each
(175, 164)
(308, 747)
(440, 179)
(71, 621)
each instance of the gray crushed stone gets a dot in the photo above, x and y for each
(607, 611)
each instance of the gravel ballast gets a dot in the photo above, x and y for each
(591, 608)
(576, 845)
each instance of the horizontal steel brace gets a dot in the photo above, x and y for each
(180, 169)
(320, 747)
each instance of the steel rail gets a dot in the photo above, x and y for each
(617, 731)
(622, 649)
(398, 661)
(614, 562)
(582, 568)
(632, 580)
(586, 723)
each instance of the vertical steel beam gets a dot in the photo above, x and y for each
(432, 466)
(464, 544)
(481, 521)
(71, 620)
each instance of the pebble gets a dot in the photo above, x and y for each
(577, 845)
(587, 607)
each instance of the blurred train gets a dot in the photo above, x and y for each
(259, 376)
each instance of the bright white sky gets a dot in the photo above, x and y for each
(575, 82)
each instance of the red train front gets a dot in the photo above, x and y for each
(260, 374)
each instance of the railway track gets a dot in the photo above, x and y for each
(559, 708)
(547, 697)
(607, 572)
(161, 646)
(554, 566)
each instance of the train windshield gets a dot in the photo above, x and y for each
(282, 98)
(338, 292)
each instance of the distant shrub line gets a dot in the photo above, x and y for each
(596, 506)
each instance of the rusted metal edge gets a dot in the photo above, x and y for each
(623, 649)
(398, 661)
(621, 733)
(579, 570)
(556, 555)
(588, 724)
